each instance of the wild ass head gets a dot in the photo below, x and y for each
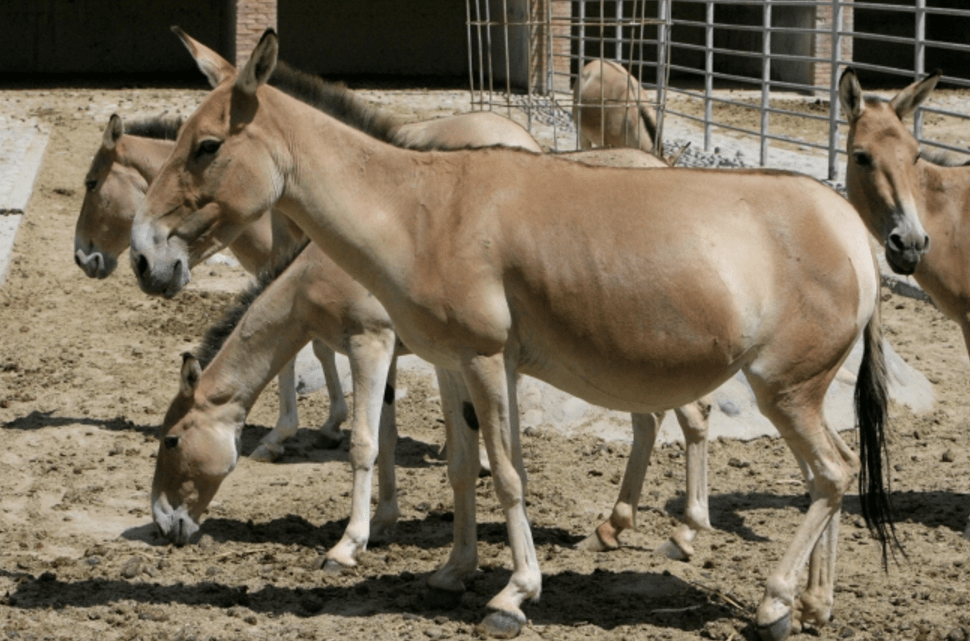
(220, 177)
(198, 448)
(881, 173)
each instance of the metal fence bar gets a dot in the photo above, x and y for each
(612, 31)
(834, 104)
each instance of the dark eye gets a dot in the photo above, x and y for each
(862, 158)
(91, 185)
(171, 442)
(208, 147)
(919, 155)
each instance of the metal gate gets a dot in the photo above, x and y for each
(706, 58)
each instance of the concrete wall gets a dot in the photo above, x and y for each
(375, 37)
(107, 36)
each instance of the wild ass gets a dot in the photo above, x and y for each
(611, 109)
(907, 199)
(635, 290)
(127, 161)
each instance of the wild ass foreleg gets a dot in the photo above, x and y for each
(330, 436)
(370, 359)
(461, 441)
(491, 384)
(816, 601)
(387, 512)
(271, 446)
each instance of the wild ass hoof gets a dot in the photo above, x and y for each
(675, 551)
(328, 440)
(776, 631)
(441, 599)
(603, 539)
(267, 453)
(501, 625)
(332, 566)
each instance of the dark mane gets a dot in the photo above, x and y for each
(158, 127)
(335, 100)
(216, 336)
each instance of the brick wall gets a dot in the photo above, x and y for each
(252, 19)
(823, 42)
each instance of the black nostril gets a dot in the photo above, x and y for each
(142, 266)
(926, 243)
(895, 242)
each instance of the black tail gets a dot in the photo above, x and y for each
(649, 123)
(872, 405)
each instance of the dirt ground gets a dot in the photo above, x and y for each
(87, 369)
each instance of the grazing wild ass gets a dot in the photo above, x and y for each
(918, 209)
(611, 109)
(635, 290)
(180, 484)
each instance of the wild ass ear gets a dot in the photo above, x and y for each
(212, 65)
(850, 95)
(907, 100)
(112, 132)
(260, 65)
(191, 372)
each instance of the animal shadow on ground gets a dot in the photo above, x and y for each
(571, 598)
(39, 420)
(938, 508)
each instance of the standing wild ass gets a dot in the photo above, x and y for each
(130, 157)
(635, 290)
(611, 109)
(918, 209)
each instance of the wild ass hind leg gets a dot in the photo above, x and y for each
(447, 584)
(387, 512)
(271, 446)
(693, 419)
(491, 384)
(330, 436)
(370, 360)
(797, 415)
(607, 535)
(816, 600)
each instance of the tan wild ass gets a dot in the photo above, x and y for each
(635, 290)
(918, 209)
(611, 109)
(126, 163)
(178, 517)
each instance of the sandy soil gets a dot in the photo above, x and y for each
(87, 368)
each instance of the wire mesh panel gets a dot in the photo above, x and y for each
(757, 71)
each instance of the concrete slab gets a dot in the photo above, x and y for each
(22, 145)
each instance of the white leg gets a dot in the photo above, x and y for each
(461, 440)
(330, 436)
(492, 389)
(693, 420)
(271, 446)
(387, 512)
(370, 359)
(606, 536)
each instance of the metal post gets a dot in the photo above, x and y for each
(765, 80)
(619, 31)
(581, 62)
(663, 18)
(919, 66)
(708, 73)
(834, 105)
(508, 66)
